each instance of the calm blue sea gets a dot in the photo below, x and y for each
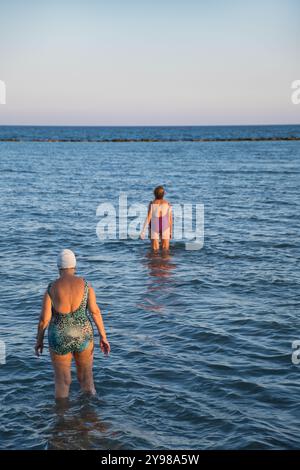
(201, 341)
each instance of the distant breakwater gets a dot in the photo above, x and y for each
(233, 139)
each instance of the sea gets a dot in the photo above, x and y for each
(203, 342)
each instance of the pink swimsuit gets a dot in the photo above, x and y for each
(159, 225)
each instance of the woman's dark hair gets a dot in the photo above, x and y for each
(159, 192)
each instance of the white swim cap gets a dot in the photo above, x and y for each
(66, 259)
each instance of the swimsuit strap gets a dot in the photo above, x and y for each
(48, 289)
(85, 294)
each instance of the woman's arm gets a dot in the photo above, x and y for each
(44, 321)
(97, 317)
(147, 221)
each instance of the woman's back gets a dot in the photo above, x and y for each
(67, 293)
(70, 329)
(160, 207)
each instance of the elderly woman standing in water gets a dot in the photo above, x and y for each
(70, 333)
(159, 220)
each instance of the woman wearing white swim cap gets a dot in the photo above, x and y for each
(65, 310)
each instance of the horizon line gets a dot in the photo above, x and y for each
(148, 125)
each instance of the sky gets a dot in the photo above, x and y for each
(158, 62)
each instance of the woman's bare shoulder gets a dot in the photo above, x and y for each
(79, 280)
(53, 283)
(76, 281)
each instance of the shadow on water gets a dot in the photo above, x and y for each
(78, 425)
(160, 266)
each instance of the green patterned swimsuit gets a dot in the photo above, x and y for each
(70, 332)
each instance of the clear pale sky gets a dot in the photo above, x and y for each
(163, 62)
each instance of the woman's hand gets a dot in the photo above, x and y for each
(142, 235)
(39, 346)
(104, 345)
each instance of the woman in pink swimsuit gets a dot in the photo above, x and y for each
(159, 220)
